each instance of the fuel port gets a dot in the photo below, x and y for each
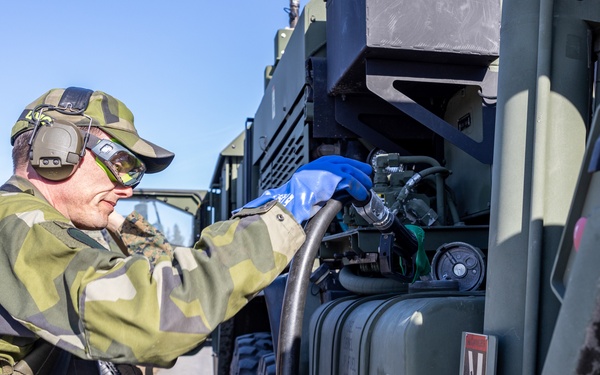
(461, 262)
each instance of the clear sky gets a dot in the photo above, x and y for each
(191, 71)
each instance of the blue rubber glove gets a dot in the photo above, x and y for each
(313, 184)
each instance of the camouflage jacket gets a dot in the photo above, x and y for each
(149, 307)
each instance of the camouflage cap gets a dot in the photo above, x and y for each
(107, 113)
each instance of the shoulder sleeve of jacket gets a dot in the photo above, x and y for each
(101, 304)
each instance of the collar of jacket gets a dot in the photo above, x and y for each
(24, 185)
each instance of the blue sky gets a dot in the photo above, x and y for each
(191, 71)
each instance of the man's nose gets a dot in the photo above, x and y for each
(123, 191)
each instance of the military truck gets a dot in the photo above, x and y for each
(480, 121)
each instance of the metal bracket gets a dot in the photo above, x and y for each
(381, 76)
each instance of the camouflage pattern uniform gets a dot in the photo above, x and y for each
(149, 307)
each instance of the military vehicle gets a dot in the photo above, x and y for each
(480, 120)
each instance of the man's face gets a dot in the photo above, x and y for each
(89, 196)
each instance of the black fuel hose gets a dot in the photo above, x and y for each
(351, 281)
(294, 298)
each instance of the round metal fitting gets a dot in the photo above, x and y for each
(461, 262)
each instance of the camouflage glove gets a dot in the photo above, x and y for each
(313, 184)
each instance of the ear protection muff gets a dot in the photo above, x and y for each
(57, 146)
(56, 149)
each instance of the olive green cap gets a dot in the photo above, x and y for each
(107, 113)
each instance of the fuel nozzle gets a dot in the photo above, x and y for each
(376, 213)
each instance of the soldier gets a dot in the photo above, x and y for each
(69, 304)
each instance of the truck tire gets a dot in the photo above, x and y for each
(267, 365)
(248, 351)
